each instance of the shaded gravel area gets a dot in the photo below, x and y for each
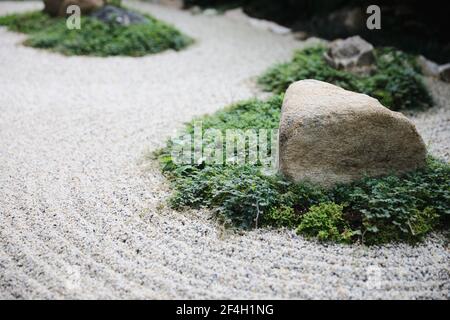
(82, 215)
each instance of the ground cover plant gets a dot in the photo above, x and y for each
(95, 37)
(373, 210)
(396, 83)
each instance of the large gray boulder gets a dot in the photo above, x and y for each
(329, 135)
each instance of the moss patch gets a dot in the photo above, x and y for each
(96, 38)
(372, 210)
(397, 82)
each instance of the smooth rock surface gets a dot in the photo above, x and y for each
(329, 135)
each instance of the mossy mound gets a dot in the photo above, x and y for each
(96, 38)
(396, 83)
(372, 211)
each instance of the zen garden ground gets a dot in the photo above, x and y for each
(75, 195)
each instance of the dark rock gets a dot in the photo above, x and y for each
(444, 72)
(112, 14)
(300, 35)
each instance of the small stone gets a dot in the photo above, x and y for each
(236, 14)
(113, 14)
(195, 10)
(210, 12)
(276, 28)
(444, 72)
(329, 135)
(353, 54)
(427, 67)
(300, 35)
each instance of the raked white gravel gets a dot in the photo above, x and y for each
(83, 216)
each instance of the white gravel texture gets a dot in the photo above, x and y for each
(82, 216)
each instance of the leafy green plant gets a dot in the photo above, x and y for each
(283, 216)
(326, 222)
(373, 210)
(96, 37)
(407, 206)
(27, 22)
(397, 82)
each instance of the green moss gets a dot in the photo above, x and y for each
(282, 217)
(424, 221)
(245, 115)
(96, 38)
(326, 222)
(397, 82)
(27, 22)
(407, 207)
(245, 196)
